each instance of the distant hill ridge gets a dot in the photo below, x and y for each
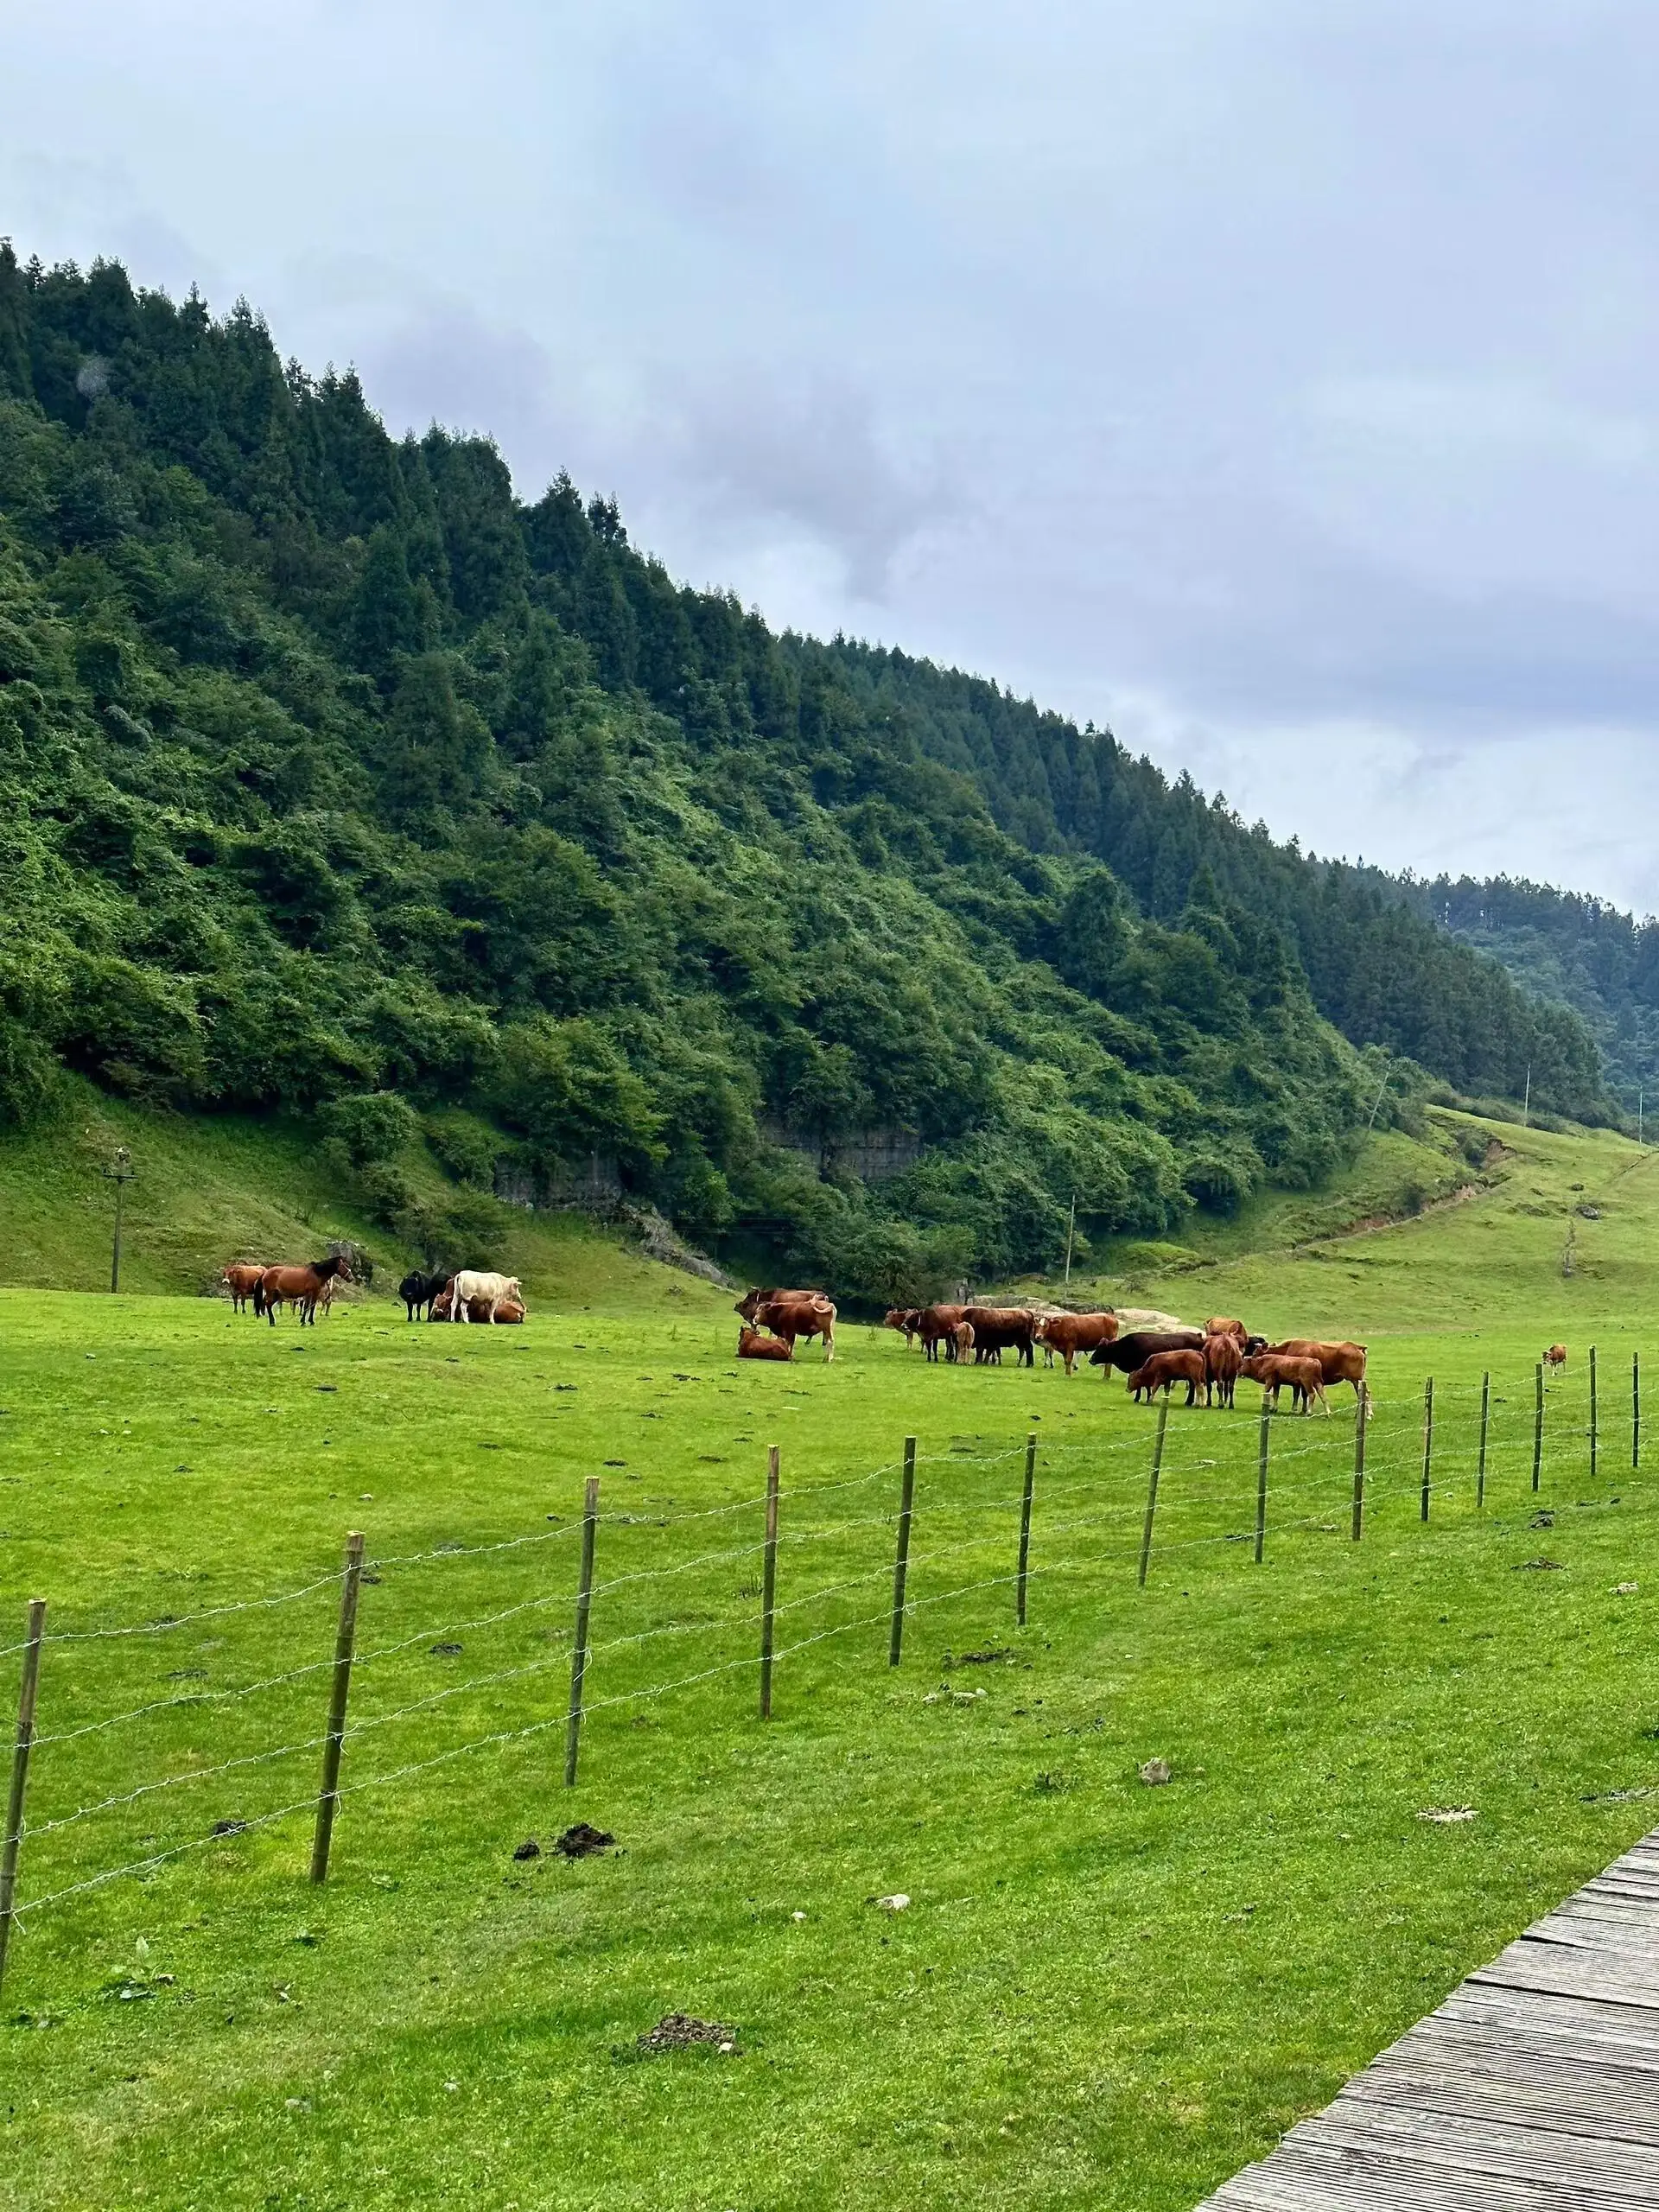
(334, 777)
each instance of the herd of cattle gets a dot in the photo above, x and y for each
(1209, 1361)
(1154, 1355)
(469, 1295)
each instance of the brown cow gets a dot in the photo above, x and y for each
(963, 1335)
(1339, 1362)
(1224, 1355)
(998, 1329)
(1071, 1333)
(751, 1344)
(1556, 1356)
(907, 1319)
(792, 1313)
(936, 1325)
(1276, 1370)
(1165, 1369)
(1220, 1326)
(242, 1280)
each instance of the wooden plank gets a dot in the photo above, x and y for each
(1534, 2088)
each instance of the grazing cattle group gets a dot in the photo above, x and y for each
(1153, 1358)
(307, 1288)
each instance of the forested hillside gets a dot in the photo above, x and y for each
(1558, 945)
(1376, 963)
(337, 781)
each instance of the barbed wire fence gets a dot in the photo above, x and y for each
(1047, 1530)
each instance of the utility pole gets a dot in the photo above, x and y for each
(1377, 1108)
(120, 1175)
(1526, 1107)
(1070, 1231)
(1638, 1114)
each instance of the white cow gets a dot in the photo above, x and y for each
(497, 1288)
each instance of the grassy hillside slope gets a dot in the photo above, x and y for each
(210, 1189)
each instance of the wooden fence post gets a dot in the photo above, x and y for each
(1152, 1485)
(1025, 1531)
(340, 1689)
(1485, 1421)
(1361, 1414)
(579, 1652)
(1262, 1481)
(1636, 1410)
(1593, 1414)
(34, 1636)
(769, 1583)
(1428, 1436)
(902, 1557)
(1538, 1425)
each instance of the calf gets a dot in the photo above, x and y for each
(1071, 1333)
(1276, 1370)
(1339, 1362)
(1556, 1356)
(1224, 1355)
(1165, 1369)
(963, 1335)
(751, 1344)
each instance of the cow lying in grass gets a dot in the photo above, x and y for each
(479, 1309)
(472, 1284)
(753, 1344)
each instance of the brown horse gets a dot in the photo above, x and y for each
(242, 1280)
(298, 1286)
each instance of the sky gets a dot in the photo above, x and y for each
(1270, 381)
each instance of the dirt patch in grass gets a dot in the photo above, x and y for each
(682, 2031)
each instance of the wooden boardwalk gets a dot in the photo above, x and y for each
(1534, 2088)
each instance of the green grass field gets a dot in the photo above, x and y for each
(1101, 1993)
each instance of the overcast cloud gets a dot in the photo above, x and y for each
(1273, 381)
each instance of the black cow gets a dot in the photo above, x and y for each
(418, 1291)
(1130, 1352)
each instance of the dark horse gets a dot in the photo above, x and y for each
(298, 1286)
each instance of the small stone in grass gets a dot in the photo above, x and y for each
(798, 1915)
(1624, 1589)
(896, 1903)
(1155, 1772)
(1446, 1815)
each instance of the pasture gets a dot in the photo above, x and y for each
(1101, 1992)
